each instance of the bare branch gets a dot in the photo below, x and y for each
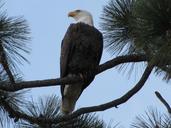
(159, 96)
(54, 82)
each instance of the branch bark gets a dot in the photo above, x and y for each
(159, 96)
(54, 82)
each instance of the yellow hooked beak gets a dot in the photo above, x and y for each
(72, 14)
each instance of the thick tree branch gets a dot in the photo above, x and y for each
(163, 101)
(53, 82)
(81, 111)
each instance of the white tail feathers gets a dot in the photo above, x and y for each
(67, 105)
(71, 95)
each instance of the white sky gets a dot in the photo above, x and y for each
(48, 22)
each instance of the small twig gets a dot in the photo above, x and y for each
(159, 96)
(8, 71)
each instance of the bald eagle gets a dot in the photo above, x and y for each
(81, 52)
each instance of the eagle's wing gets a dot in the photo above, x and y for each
(66, 50)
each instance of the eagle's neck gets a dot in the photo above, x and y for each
(87, 20)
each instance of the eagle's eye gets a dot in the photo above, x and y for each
(78, 10)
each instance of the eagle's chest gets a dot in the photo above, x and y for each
(83, 56)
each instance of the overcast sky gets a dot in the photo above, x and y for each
(48, 22)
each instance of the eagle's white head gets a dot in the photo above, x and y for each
(82, 16)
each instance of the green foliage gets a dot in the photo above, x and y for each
(13, 38)
(10, 100)
(45, 107)
(13, 99)
(117, 25)
(49, 108)
(140, 27)
(152, 119)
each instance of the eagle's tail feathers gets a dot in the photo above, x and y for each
(71, 95)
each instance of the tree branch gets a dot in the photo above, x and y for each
(4, 62)
(81, 111)
(8, 71)
(163, 101)
(113, 103)
(54, 82)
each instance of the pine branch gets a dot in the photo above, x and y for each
(85, 110)
(5, 64)
(152, 119)
(16, 114)
(41, 109)
(14, 37)
(54, 82)
(159, 96)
